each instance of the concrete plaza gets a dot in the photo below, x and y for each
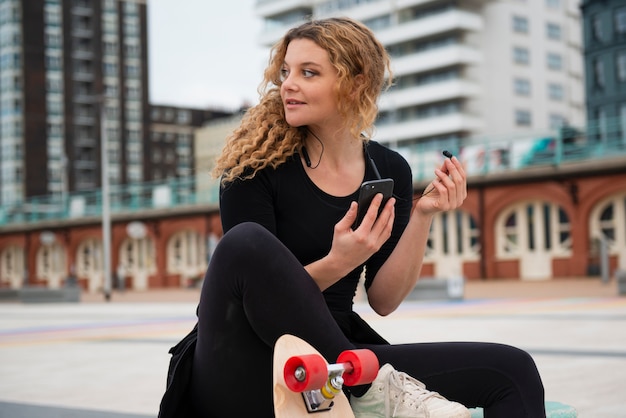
(97, 359)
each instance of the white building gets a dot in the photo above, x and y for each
(463, 69)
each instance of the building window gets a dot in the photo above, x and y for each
(522, 118)
(598, 73)
(521, 55)
(607, 220)
(557, 121)
(110, 5)
(378, 23)
(553, 31)
(130, 8)
(453, 233)
(183, 116)
(555, 62)
(555, 91)
(520, 24)
(109, 69)
(620, 62)
(553, 4)
(597, 31)
(522, 87)
(620, 21)
(535, 226)
(53, 62)
(601, 124)
(132, 70)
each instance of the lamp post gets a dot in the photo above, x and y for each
(106, 213)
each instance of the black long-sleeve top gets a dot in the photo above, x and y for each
(286, 202)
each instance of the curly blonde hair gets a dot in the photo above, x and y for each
(264, 138)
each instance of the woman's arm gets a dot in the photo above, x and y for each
(248, 201)
(398, 275)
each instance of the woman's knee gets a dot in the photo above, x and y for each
(247, 239)
(519, 364)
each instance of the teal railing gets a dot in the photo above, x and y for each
(597, 141)
(123, 199)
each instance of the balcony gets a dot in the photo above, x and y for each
(361, 10)
(83, 74)
(82, 9)
(435, 92)
(436, 58)
(85, 163)
(266, 8)
(452, 20)
(420, 128)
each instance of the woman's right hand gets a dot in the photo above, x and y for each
(351, 248)
(356, 246)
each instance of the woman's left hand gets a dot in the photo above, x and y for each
(447, 191)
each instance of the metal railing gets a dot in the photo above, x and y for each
(597, 141)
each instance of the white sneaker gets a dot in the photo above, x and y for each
(397, 395)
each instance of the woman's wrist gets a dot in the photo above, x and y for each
(420, 216)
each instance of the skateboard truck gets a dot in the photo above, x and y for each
(319, 382)
(322, 399)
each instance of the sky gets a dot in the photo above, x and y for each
(204, 53)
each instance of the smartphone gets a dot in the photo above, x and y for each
(368, 190)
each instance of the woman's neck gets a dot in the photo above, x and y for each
(336, 165)
(337, 147)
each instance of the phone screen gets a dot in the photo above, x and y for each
(368, 190)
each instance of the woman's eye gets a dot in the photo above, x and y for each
(284, 73)
(308, 73)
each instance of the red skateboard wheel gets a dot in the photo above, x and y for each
(364, 364)
(307, 372)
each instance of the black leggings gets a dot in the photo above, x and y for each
(255, 290)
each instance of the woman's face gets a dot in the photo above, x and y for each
(308, 89)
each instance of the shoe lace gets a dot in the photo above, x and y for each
(410, 391)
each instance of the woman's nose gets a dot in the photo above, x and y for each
(289, 82)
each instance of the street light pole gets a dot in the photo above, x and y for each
(106, 214)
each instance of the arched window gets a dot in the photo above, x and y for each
(608, 221)
(12, 266)
(89, 257)
(186, 253)
(51, 264)
(453, 233)
(137, 255)
(534, 226)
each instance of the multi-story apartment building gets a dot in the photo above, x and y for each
(462, 69)
(171, 150)
(67, 66)
(605, 63)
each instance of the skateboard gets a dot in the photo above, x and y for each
(304, 382)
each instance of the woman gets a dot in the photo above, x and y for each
(290, 260)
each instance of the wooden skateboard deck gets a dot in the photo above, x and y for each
(289, 404)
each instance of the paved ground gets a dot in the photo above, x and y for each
(99, 359)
